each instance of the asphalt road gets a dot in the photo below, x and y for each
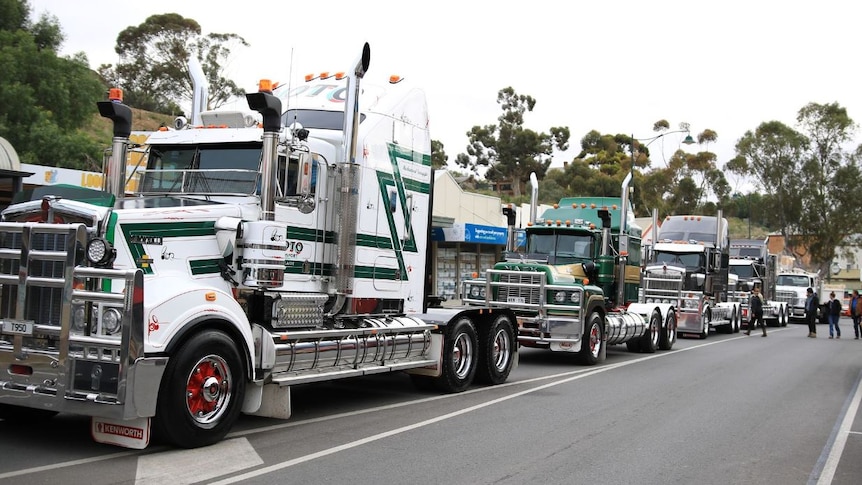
(729, 409)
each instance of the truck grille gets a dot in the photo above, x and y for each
(785, 296)
(529, 293)
(44, 252)
(662, 285)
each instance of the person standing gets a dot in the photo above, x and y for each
(755, 306)
(856, 312)
(834, 308)
(812, 303)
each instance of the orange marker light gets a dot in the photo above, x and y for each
(210, 296)
(395, 79)
(264, 86)
(115, 94)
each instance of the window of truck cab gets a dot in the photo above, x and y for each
(561, 247)
(206, 168)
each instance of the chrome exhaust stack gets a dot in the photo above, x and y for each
(348, 190)
(121, 115)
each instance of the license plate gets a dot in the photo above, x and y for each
(516, 299)
(18, 328)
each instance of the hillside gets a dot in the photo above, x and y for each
(101, 130)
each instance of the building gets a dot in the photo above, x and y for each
(11, 175)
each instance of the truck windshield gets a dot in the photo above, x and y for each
(691, 261)
(560, 248)
(202, 169)
(792, 280)
(743, 271)
(744, 252)
(706, 237)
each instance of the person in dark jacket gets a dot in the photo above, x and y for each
(834, 308)
(812, 303)
(755, 306)
(856, 311)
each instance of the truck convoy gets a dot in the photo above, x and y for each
(752, 263)
(696, 246)
(251, 258)
(575, 288)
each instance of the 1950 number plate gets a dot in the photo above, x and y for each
(17, 327)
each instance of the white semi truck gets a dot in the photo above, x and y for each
(753, 265)
(791, 287)
(252, 257)
(696, 246)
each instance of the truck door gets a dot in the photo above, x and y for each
(302, 180)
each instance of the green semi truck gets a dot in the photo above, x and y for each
(575, 286)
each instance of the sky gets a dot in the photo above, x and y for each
(615, 66)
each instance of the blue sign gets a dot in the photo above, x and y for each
(485, 234)
(475, 233)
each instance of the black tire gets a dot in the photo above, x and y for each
(496, 351)
(704, 331)
(460, 356)
(650, 338)
(668, 332)
(737, 317)
(592, 340)
(202, 391)
(16, 415)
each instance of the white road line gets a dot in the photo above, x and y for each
(404, 429)
(55, 466)
(96, 459)
(835, 445)
(181, 467)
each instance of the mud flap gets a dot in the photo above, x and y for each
(131, 433)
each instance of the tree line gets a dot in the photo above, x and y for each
(806, 177)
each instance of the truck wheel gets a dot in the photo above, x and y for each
(668, 333)
(460, 356)
(782, 317)
(496, 348)
(704, 331)
(592, 341)
(202, 391)
(649, 340)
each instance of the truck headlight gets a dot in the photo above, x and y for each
(560, 296)
(79, 321)
(576, 298)
(112, 321)
(99, 252)
(690, 304)
(474, 291)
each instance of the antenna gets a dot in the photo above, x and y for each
(289, 90)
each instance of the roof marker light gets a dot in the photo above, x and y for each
(340, 75)
(310, 77)
(264, 86)
(115, 94)
(395, 79)
(325, 75)
(556, 206)
(583, 205)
